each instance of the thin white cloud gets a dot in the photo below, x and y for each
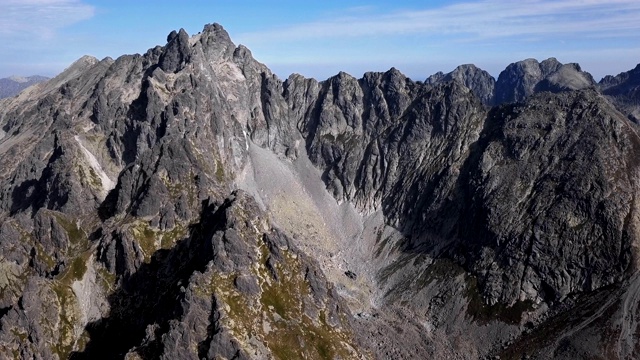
(474, 20)
(40, 18)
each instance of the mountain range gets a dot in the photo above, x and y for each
(13, 85)
(186, 203)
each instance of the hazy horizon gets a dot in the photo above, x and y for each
(42, 37)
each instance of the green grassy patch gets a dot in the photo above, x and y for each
(78, 268)
(146, 239)
(77, 236)
(107, 279)
(277, 315)
(297, 335)
(44, 257)
(66, 341)
(219, 170)
(170, 238)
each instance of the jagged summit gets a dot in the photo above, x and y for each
(479, 81)
(519, 80)
(624, 91)
(628, 78)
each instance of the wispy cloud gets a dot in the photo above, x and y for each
(40, 18)
(487, 19)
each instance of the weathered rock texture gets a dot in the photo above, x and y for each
(453, 229)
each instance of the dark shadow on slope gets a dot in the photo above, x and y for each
(461, 226)
(152, 295)
(454, 231)
(456, 225)
(212, 328)
(3, 312)
(39, 193)
(594, 310)
(136, 113)
(107, 208)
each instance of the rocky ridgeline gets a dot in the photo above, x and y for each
(510, 219)
(519, 80)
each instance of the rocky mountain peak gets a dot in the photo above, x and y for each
(546, 66)
(434, 78)
(213, 43)
(479, 81)
(176, 53)
(18, 79)
(624, 91)
(629, 78)
(523, 78)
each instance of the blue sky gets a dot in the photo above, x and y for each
(318, 39)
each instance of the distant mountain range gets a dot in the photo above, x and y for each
(521, 79)
(15, 84)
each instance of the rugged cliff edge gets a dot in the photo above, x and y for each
(187, 203)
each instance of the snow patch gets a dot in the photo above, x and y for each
(246, 139)
(107, 183)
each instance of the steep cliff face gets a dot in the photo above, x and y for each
(378, 217)
(107, 166)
